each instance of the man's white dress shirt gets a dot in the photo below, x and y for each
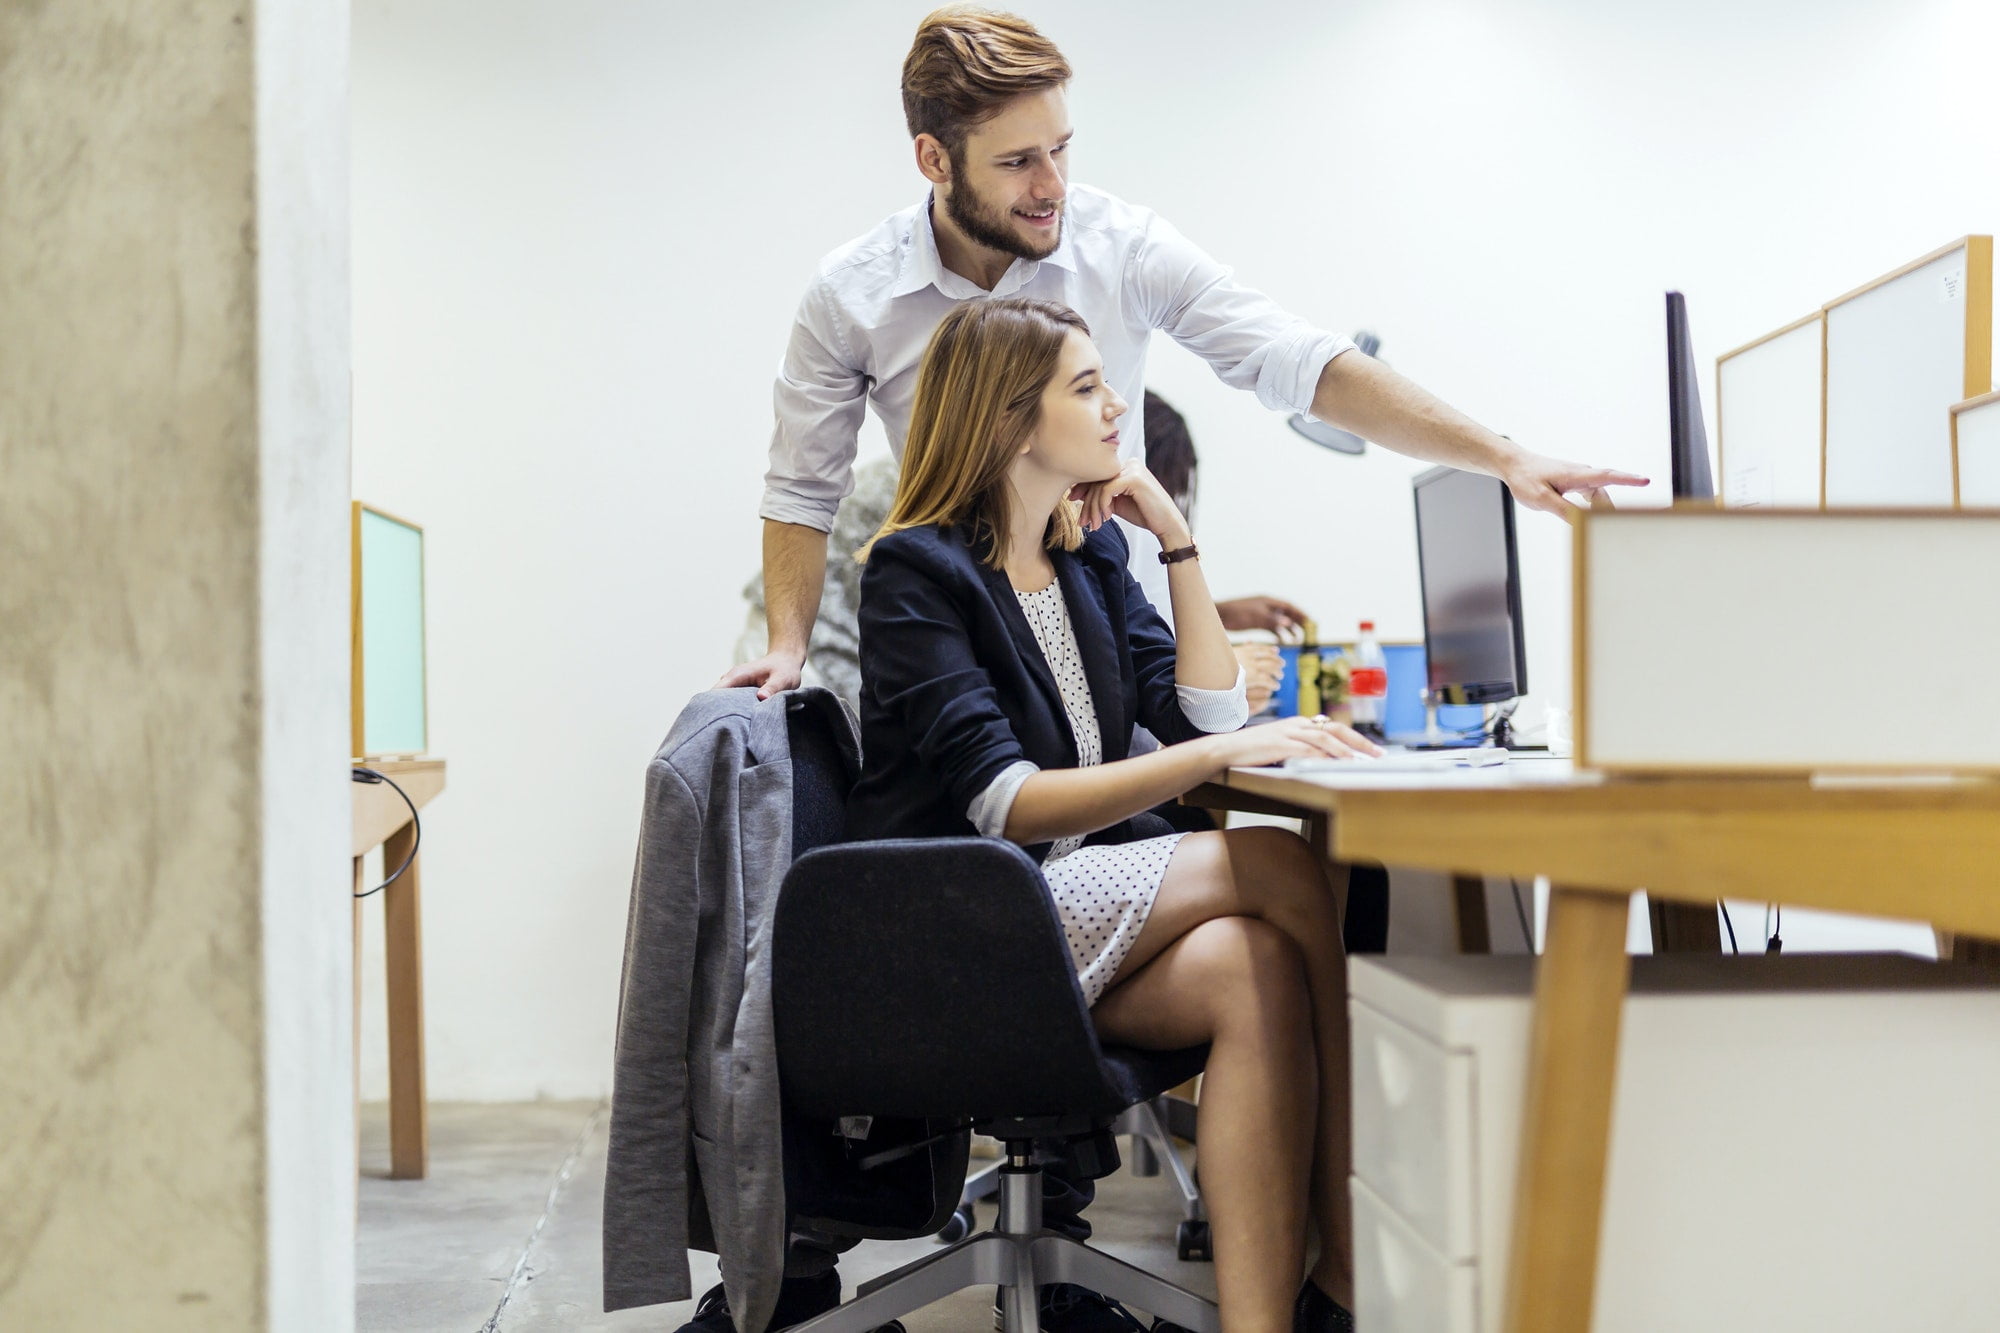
(870, 311)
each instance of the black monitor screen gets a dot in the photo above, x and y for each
(1472, 588)
(1692, 478)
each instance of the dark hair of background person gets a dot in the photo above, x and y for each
(1170, 452)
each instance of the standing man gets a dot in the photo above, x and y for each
(983, 94)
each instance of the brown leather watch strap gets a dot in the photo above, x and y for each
(1187, 552)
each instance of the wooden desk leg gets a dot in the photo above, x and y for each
(1686, 927)
(1468, 901)
(409, 1116)
(1573, 1060)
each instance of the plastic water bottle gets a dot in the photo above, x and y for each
(1307, 700)
(1368, 682)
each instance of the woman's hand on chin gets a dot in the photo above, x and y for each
(1137, 497)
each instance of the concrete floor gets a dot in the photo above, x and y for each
(504, 1234)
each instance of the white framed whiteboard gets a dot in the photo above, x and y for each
(1768, 398)
(1786, 640)
(1975, 451)
(1899, 352)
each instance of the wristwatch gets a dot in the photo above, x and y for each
(1187, 552)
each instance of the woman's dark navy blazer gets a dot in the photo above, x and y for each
(954, 688)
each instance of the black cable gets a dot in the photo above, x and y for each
(1776, 944)
(1521, 914)
(369, 775)
(1731, 924)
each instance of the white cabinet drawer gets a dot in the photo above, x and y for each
(1402, 1285)
(1413, 1118)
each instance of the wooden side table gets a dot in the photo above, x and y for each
(381, 819)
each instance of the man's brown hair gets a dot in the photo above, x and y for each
(966, 63)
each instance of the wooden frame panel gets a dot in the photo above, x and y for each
(1984, 400)
(1722, 430)
(1976, 375)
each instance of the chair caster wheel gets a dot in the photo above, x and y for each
(958, 1227)
(1192, 1242)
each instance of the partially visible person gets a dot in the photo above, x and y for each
(1170, 456)
(832, 655)
(1006, 656)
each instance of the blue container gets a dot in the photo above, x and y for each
(1404, 714)
(1285, 702)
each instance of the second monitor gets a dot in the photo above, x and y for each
(1470, 572)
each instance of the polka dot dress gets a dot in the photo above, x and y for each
(1102, 894)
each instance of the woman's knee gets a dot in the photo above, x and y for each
(1280, 876)
(1250, 968)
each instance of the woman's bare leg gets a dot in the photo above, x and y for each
(1239, 985)
(1272, 875)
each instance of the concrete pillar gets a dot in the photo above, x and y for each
(176, 1115)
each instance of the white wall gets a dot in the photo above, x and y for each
(580, 231)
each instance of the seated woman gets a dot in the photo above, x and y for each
(1006, 652)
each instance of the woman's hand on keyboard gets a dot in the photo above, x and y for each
(1287, 738)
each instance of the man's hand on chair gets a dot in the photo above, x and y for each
(773, 673)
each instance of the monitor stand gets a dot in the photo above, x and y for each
(1498, 733)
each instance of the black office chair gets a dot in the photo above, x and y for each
(929, 980)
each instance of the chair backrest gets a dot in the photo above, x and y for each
(821, 780)
(929, 978)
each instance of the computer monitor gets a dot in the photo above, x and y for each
(1470, 573)
(1692, 478)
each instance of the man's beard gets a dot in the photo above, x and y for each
(992, 227)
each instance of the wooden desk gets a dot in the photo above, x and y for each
(1900, 849)
(382, 820)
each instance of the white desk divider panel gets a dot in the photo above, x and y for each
(1899, 352)
(1786, 641)
(1768, 398)
(1975, 451)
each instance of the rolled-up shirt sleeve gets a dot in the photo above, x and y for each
(1217, 710)
(989, 810)
(1247, 338)
(818, 400)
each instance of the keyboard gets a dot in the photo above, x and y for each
(1404, 761)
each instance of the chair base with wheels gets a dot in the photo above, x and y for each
(1018, 1256)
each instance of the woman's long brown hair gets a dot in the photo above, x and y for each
(979, 395)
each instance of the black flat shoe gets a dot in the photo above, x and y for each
(1064, 1307)
(799, 1299)
(1316, 1312)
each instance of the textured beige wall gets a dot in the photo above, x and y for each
(132, 717)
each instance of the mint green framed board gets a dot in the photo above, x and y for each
(390, 686)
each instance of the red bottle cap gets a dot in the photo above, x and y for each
(1368, 627)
